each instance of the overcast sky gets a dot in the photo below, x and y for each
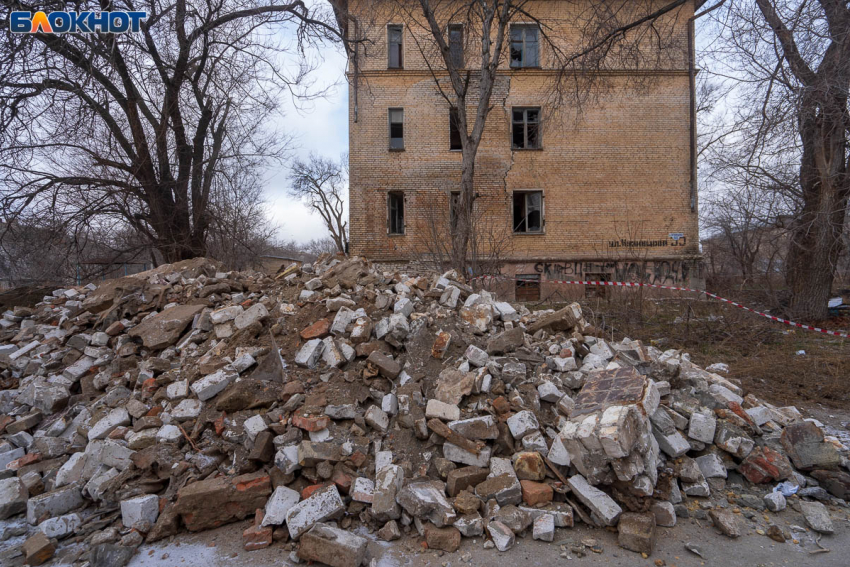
(320, 126)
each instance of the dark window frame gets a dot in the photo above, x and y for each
(537, 131)
(391, 28)
(455, 143)
(456, 48)
(395, 213)
(527, 45)
(521, 226)
(390, 123)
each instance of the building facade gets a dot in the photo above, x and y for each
(600, 187)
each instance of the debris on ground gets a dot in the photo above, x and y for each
(335, 400)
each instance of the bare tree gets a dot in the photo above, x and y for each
(148, 129)
(601, 35)
(790, 60)
(322, 184)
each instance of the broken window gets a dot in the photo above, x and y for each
(528, 211)
(526, 129)
(456, 45)
(524, 46)
(395, 211)
(454, 130)
(396, 118)
(527, 287)
(394, 60)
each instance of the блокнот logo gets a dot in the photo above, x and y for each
(76, 22)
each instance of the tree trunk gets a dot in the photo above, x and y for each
(463, 229)
(816, 240)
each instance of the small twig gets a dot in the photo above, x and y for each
(189, 439)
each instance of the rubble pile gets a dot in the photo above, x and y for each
(336, 400)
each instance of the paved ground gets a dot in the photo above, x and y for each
(223, 548)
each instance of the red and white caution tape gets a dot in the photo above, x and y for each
(676, 288)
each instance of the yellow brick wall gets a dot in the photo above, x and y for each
(615, 169)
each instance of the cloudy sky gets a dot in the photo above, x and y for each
(319, 126)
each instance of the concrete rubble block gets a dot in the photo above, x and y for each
(13, 497)
(636, 532)
(383, 459)
(286, 459)
(702, 427)
(282, 499)
(470, 525)
(733, 440)
(327, 544)
(665, 514)
(225, 314)
(476, 356)
(311, 453)
(361, 332)
(506, 311)
(444, 539)
(140, 511)
(522, 423)
(211, 385)
(619, 429)
(253, 314)
(114, 419)
(566, 319)
(441, 410)
(61, 527)
(505, 488)
(501, 535)
(441, 344)
(543, 528)
(38, 549)
(727, 522)
(805, 445)
(187, 409)
(324, 504)
(506, 341)
(558, 452)
(476, 428)
(458, 454)
(310, 353)
(377, 419)
(388, 482)
(71, 471)
(345, 411)
(427, 500)
(341, 321)
(711, 466)
(462, 478)
(386, 366)
(549, 392)
(390, 531)
(163, 329)
(774, 501)
(54, 503)
(363, 490)
(453, 385)
(450, 297)
(817, 517)
(601, 505)
(403, 306)
(332, 353)
(210, 503)
(674, 445)
(562, 364)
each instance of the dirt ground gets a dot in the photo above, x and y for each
(223, 548)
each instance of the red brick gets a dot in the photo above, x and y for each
(536, 492)
(318, 330)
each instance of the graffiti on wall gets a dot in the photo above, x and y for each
(659, 272)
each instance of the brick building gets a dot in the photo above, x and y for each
(600, 190)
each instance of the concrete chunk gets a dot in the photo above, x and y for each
(602, 506)
(324, 504)
(140, 511)
(332, 546)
